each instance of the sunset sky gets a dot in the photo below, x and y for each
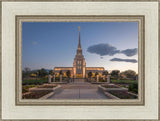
(112, 45)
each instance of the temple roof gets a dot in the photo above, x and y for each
(63, 67)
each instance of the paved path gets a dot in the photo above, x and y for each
(79, 90)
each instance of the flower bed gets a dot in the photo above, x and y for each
(110, 86)
(25, 88)
(123, 85)
(123, 94)
(35, 95)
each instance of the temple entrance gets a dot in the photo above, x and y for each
(79, 75)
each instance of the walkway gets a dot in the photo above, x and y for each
(79, 90)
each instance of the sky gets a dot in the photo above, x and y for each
(112, 45)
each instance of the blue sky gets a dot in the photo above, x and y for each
(50, 44)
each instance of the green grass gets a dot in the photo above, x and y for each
(34, 82)
(123, 81)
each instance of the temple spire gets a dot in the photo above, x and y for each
(79, 45)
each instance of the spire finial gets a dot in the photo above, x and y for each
(79, 28)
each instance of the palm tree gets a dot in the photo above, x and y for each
(60, 72)
(68, 73)
(115, 74)
(105, 73)
(51, 72)
(43, 73)
(96, 73)
(89, 74)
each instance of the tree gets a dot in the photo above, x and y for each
(51, 72)
(133, 88)
(26, 72)
(26, 69)
(37, 72)
(130, 74)
(115, 73)
(60, 72)
(122, 75)
(23, 74)
(43, 72)
(105, 73)
(96, 73)
(33, 75)
(90, 74)
(68, 73)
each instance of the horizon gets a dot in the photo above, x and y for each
(53, 44)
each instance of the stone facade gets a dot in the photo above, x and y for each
(79, 69)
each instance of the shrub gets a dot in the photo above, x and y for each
(101, 80)
(133, 88)
(123, 81)
(34, 82)
(57, 79)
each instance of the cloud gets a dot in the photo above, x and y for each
(107, 49)
(124, 60)
(103, 49)
(130, 52)
(101, 57)
(34, 43)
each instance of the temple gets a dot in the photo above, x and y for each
(79, 69)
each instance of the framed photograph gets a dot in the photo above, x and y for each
(80, 60)
(56, 83)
